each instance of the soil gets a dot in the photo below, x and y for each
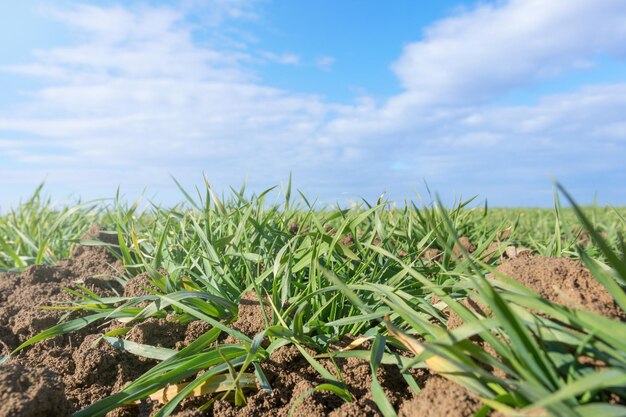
(35, 392)
(441, 398)
(61, 375)
(250, 318)
(139, 286)
(497, 250)
(564, 281)
(291, 377)
(463, 243)
(560, 280)
(431, 255)
(165, 333)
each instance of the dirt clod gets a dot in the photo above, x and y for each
(564, 281)
(497, 250)
(138, 286)
(463, 243)
(36, 392)
(195, 329)
(39, 274)
(291, 376)
(157, 332)
(441, 398)
(432, 255)
(250, 319)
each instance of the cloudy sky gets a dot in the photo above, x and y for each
(353, 97)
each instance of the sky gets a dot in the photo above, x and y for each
(353, 98)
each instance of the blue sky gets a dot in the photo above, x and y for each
(353, 97)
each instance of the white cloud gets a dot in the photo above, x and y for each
(146, 94)
(494, 47)
(325, 62)
(140, 97)
(216, 12)
(284, 58)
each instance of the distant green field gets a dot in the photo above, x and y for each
(35, 232)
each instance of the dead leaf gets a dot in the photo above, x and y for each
(513, 252)
(217, 383)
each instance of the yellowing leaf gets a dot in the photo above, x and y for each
(188, 284)
(435, 363)
(218, 383)
(356, 343)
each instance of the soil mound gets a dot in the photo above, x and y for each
(157, 332)
(497, 250)
(432, 255)
(441, 398)
(95, 265)
(100, 370)
(455, 321)
(66, 364)
(463, 243)
(39, 274)
(31, 392)
(564, 281)
(292, 378)
(250, 319)
(138, 286)
(23, 294)
(195, 329)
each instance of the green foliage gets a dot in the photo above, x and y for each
(329, 272)
(38, 232)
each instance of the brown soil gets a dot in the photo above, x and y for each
(564, 281)
(454, 321)
(497, 250)
(139, 286)
(34, 392)
(194, 330)
(61, 375)
(431, 255)
(291, 376)
(250, 319)
(560, 280)
(441, 398)
(463, 243)
(158, 332)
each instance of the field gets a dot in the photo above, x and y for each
(268, 304)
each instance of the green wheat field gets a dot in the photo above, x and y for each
(382, 280)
